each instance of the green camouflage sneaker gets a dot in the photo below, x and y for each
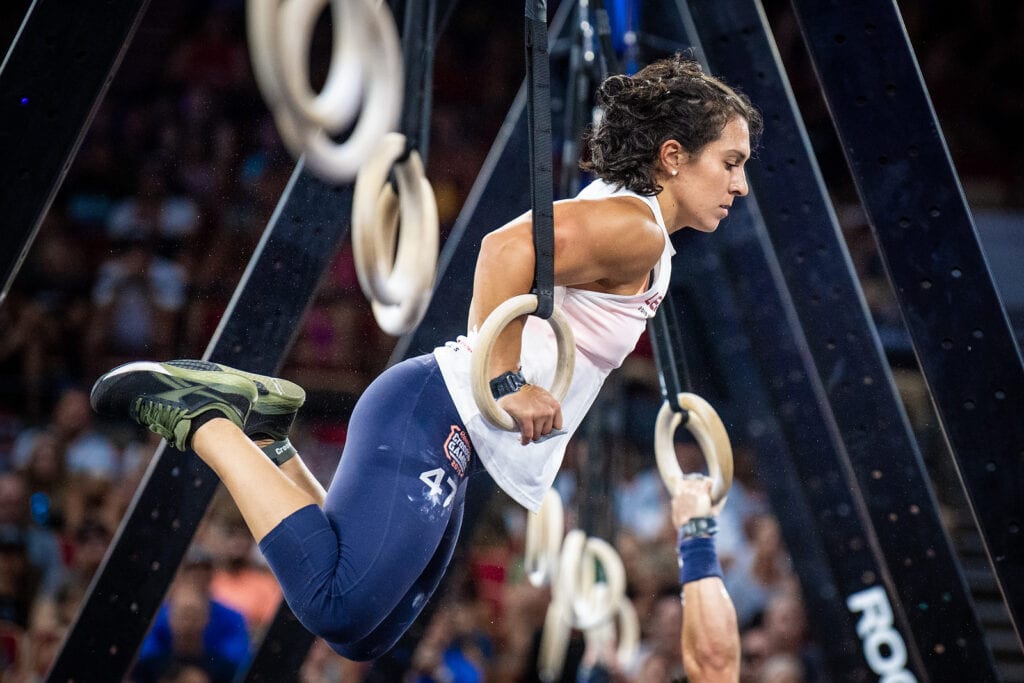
(166, 398)
(275, 407)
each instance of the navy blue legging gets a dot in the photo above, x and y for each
(358, 572)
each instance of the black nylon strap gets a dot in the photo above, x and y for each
(583, 76)
(419, 33)
(667, 343)
(608, 61)
(538, 107)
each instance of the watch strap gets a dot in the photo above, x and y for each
(507, 383)
(698, 527)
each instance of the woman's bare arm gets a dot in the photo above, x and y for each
(609, 245)
(711, 637)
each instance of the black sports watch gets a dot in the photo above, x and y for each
(507, 383)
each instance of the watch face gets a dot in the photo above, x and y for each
(509, 383)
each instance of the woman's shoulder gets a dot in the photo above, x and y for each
(620, 232)
(618, 216)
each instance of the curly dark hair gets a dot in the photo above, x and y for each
(671, 99)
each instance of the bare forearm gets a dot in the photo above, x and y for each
(711, 642)
(504, 269)
(711, 637)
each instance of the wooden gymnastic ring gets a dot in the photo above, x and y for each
(400, 291)
(554, 641)
(629, 635)
(591, 605)
(628, 638)
(709, 431)
(366, 68)
(498, 320)
(336, 106)
(544, 532)
(578, 601)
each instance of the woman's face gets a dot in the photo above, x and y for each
(706, 184)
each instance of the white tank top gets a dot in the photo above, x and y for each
(606, 327)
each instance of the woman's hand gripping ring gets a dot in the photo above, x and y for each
(399, 290)
(708, 430)
(500, 317)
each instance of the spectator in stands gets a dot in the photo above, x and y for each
(140, 291)
(18, 578)
(89, 545)
(788, 639)
(50, 619)
(193, 628)
(661, 655)
(46, 474)
(37, 650)
(155, 213)
(760, 573)
(213, 56)
(28, 333)
(87, 450)
(138, 296)
(454, 648)
(640, 497)
(42, 545)
(47, 309)
(239, 581)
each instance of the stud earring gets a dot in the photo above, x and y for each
(675, 172)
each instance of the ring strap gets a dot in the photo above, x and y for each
(419, 33)
(538, 107)
(608, 62)
(669, 353)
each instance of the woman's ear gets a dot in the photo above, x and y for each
(671, 157)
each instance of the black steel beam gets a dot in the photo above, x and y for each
(912, 196)
(256, 332)
(754, 365)
(53, 77)
(669, 351)
(882, 466)
(282, 652)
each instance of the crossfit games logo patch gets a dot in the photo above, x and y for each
(458, 449)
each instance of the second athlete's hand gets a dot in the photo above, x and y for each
(535, 410)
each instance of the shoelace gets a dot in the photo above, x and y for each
(158, 416)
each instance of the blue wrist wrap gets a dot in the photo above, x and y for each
(698, 559)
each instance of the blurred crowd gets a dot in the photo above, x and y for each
(492, 618)
(138, 257)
